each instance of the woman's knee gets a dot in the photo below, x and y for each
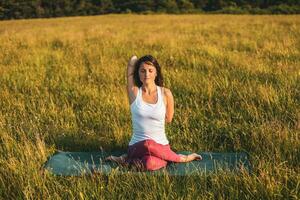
(153, 163)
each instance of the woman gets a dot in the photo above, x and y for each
(151, 106)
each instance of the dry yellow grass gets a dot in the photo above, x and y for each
(236, 85)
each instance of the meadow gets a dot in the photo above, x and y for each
(235, 80)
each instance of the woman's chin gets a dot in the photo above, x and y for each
(148, 81)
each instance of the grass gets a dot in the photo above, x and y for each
(235, 80)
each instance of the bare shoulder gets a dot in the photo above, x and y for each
(134, 90)
(167, 92)
(169, 102)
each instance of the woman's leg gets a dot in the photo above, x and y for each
(151, 148)
(118, 159)
(161, 151)
(153, 163)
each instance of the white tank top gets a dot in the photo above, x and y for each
(148, 120)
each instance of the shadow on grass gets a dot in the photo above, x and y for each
(87, 143)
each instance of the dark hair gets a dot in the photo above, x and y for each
(148, 59)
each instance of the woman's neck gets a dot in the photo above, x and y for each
(149, 88)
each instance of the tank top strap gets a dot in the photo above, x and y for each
(139, 94)
(160, 94)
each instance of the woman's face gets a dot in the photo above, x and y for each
(147, 73)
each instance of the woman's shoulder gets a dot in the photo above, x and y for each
(167, 92)
(135, 90)
(132, 92)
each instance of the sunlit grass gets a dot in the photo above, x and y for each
(235, 80)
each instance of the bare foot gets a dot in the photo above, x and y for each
(190, 157)
(197, 156)
(118, 159)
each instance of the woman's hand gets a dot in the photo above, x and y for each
(131, 63)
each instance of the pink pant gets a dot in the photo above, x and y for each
(151, 155)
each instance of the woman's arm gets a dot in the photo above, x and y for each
(131, 88)
(169, 105)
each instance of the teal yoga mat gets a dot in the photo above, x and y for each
(87, 163)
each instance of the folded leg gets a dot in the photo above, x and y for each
(148, 163)
(151, 148)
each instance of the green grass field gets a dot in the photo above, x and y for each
(235, 80)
